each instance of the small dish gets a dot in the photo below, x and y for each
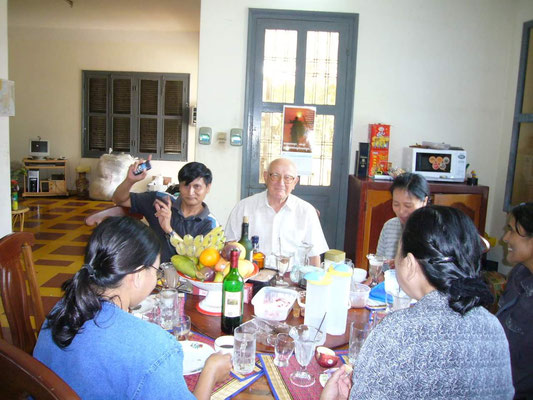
(194, 356)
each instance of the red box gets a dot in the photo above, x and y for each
(378, 158)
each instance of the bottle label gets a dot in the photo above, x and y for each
(232, 308)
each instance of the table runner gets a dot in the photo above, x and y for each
(279, 381)
(232, 385)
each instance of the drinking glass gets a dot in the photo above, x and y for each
(305, 339)
(244, 348)
(168, 301)
(282, 264)
(375, 267)
(182, 327)
(357, 338)
(283, 348)
(170, 279)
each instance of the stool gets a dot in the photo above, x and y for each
(19, 215)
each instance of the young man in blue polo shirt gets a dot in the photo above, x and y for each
(187, 214)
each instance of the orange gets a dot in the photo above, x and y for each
(209, 257)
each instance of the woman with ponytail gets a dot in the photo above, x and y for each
(103, 352)
(446, 346)
(516, 303)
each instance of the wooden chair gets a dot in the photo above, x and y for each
(16, 268)
(115, 211)
(24, 376)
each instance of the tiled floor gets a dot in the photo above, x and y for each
(60, 239)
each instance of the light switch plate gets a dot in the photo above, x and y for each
(204, 135)
(235, 137)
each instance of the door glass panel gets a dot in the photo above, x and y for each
(121, 134)
(322, 152)
(148, 135)
(321, 63)
(279, 66)
(148, 102)
(121, 96)
(270, 142)
(172, 136)
(270, 147)
(523, 173)
(527, 105)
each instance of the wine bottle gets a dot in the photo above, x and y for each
(245, 241)
(257, 257)
(232, 296)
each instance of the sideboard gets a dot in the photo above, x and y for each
(370, 206)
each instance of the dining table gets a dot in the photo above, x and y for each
(209, 325)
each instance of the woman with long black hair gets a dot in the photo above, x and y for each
(447, 346)
(91, 341)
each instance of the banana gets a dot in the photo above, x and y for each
(188, 240)
(180, 248)
(198, 241)
(190, 251)
(199, 250)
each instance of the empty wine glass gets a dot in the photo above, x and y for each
(375, 267)
(305, 339)
(283, 262)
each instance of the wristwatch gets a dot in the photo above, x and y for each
(171, 234)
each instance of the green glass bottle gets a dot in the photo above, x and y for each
(245, 241)
(232, 296)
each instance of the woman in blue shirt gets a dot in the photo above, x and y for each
(91, 341)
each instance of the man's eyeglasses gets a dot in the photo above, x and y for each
(277, 177)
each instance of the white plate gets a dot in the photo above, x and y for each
(145, 306)
(194, 356)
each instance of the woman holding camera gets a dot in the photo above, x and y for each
(91, 341)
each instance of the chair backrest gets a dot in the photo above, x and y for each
(17, 275)
(23, 376)
(115, 211)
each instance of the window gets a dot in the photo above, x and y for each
(136, 113)
(520, 172)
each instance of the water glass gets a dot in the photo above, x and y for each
(306, 339)
(170, 277)
(283, 262)
(375, 267)
(283, 348)
(182, 327)
(244, 349)
(357, 338)
(168, 305)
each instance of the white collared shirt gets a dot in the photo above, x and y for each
(296, 222)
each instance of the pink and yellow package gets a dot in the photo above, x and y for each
(378, 160)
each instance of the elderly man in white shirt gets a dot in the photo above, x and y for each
(277, 217)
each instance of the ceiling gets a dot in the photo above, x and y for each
(137, 15)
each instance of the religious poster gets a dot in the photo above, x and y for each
(298, 129)
(298, 136)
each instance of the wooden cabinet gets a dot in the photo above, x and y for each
(45, 178)
(370, 206)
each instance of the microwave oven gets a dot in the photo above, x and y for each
(436, 165)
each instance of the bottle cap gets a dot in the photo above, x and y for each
(245, 219)
(255, 239)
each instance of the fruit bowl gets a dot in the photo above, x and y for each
(212, 302)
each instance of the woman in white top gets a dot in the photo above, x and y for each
(409, 193)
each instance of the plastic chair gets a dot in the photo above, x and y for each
(24, 376)
(16, 269)
(115, 211)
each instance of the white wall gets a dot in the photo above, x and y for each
(46, 65)
(435, 70)
(5, 200)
